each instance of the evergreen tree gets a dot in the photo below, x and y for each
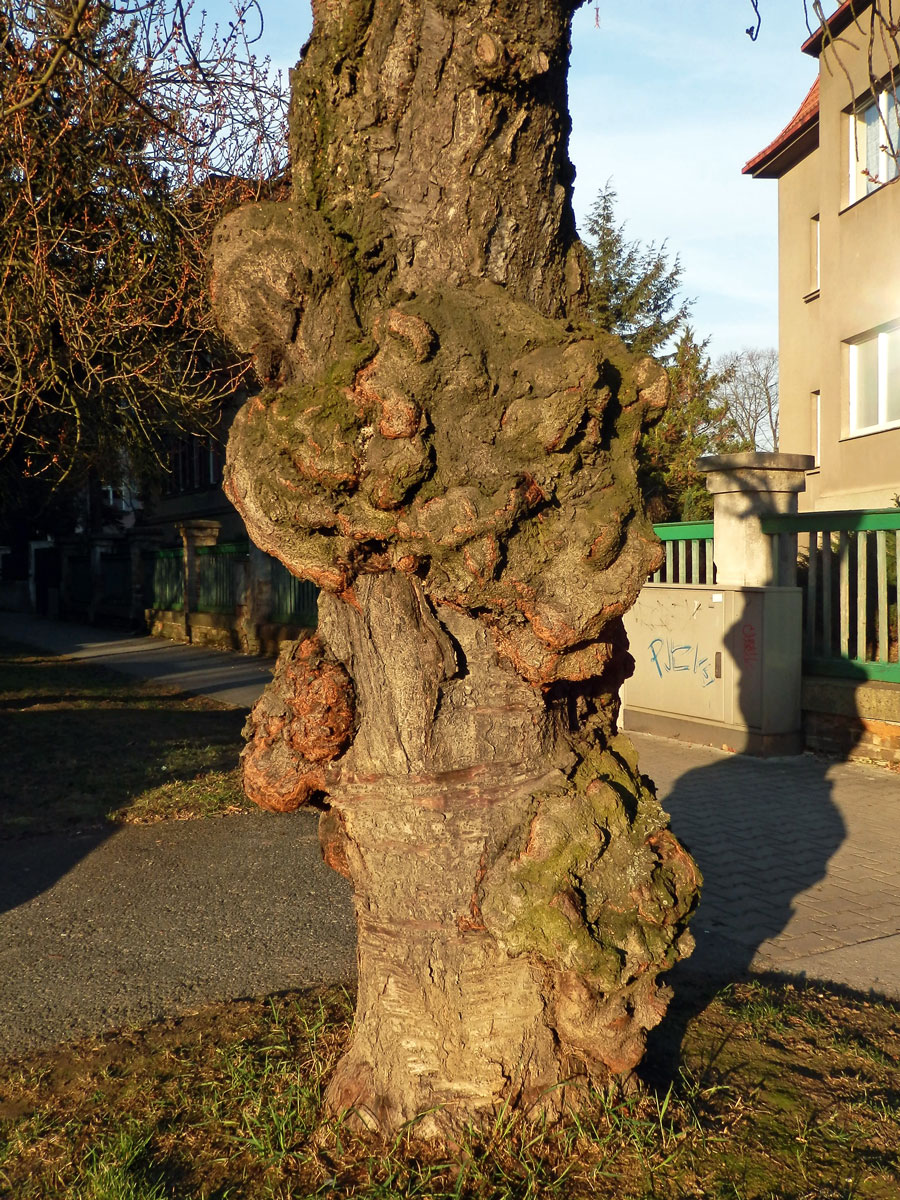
(695, 422)
(634, 294)
(633, 288)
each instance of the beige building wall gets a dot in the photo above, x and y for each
(858, 293)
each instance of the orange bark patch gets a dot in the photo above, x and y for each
(303, 719)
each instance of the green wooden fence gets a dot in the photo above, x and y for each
(220, 573)
(848, 571)
(689, 552)
(294, 601)
(847, 568)
(165, 580)
(220, 579)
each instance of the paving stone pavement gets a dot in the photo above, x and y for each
(800, 858)
(801, 861)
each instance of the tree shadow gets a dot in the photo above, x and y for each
(763, 831)
(80, 743)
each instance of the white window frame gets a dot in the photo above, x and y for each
(860, 184)
(882, 381)
(815, 258)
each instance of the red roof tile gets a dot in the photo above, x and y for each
(799, 135)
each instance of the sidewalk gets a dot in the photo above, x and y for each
(800, 858)
(233, 679)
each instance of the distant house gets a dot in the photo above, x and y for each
(839, 267)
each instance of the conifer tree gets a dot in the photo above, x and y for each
(634, 293)
(696, 422)
(633, 288)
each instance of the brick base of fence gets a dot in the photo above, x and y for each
(849, 719)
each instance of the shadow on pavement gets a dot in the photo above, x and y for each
(79, 743)
(762, 832)
(32, 865)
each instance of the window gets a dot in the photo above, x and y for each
(875, 381)
(815, 407)
(815, 251)
(874, 143)
(195, 463)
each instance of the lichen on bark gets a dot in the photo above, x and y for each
(446, 447)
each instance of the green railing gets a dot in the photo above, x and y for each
(689, 552)
(219, 584)
(294, 601)
(165, 580)
(219, 576)
(848, 571)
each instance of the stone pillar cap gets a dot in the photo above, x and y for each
(756, 460)
(759, 472)
(200, 532)
(200, 525)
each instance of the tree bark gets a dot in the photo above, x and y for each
(447, 449)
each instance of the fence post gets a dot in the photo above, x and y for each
(747, 487)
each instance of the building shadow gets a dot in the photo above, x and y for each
(30, 866)
(763, 831)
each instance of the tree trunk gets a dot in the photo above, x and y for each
(447, 450)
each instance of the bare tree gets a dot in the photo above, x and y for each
(124, 139)
(749, 392)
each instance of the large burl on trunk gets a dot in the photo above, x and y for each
(446, 448)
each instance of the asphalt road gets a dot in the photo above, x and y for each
(99, 933)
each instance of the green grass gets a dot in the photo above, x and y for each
(777, 1095)
(84, 747)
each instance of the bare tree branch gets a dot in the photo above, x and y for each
(749, 391)
(112, 176)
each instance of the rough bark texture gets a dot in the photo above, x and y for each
(447, 449)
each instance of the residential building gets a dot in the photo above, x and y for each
(839, 266)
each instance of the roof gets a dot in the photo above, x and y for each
(845, 15)
(798, 138)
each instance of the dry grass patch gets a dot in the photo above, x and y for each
(780, 1092)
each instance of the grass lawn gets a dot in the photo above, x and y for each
(84, 747)
(782, 1092)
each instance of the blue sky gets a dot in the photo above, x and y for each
(669, 99)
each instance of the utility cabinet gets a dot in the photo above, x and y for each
(717, 665)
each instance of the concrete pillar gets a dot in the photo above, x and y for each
(140, 544)
(194, 534)
(745, 488)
